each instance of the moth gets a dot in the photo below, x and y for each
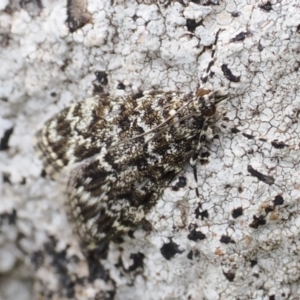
(123, 153)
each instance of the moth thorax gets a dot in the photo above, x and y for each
(207, 108)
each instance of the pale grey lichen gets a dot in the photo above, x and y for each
(241, 239)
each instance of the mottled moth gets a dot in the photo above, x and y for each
(124, 151)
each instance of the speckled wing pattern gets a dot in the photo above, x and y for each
(125, 152)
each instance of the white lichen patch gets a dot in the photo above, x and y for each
(239, 239)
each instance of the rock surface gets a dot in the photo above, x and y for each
(240, 238)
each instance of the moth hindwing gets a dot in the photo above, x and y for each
(126, 151)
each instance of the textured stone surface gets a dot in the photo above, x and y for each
(240, 238)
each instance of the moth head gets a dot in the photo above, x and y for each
(209, 100)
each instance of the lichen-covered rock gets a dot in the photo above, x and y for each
(237, 239)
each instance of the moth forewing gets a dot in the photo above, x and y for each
(129, 150)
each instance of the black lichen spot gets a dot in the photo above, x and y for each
(240, 37)
(298, 28)
(262, 139)
(235, 130)
(100, 82)
(278, 200)
(257, 221)
(8, 218)
(179, 184)
(229, 276)
(169, 250)
(240, 189)
(264, 178)
(207, 2)
(235, 14)
(253, 262)
(12, 217)
(237, 212)
(278, 145)
(37, 259)
(260, 47)
(191, 24)
(5, 139)
(43, 173)
(101, 77)
(23, 181)
(203, 214)
(121, 86)
(65, 65)
(53, 94)
(190, 255)
(226, 239)
(248, 136)
(196, 235)
(6, 177)
(266, 7)
(5, 39)
(272, 297)
(228, 74)
(138, 261)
